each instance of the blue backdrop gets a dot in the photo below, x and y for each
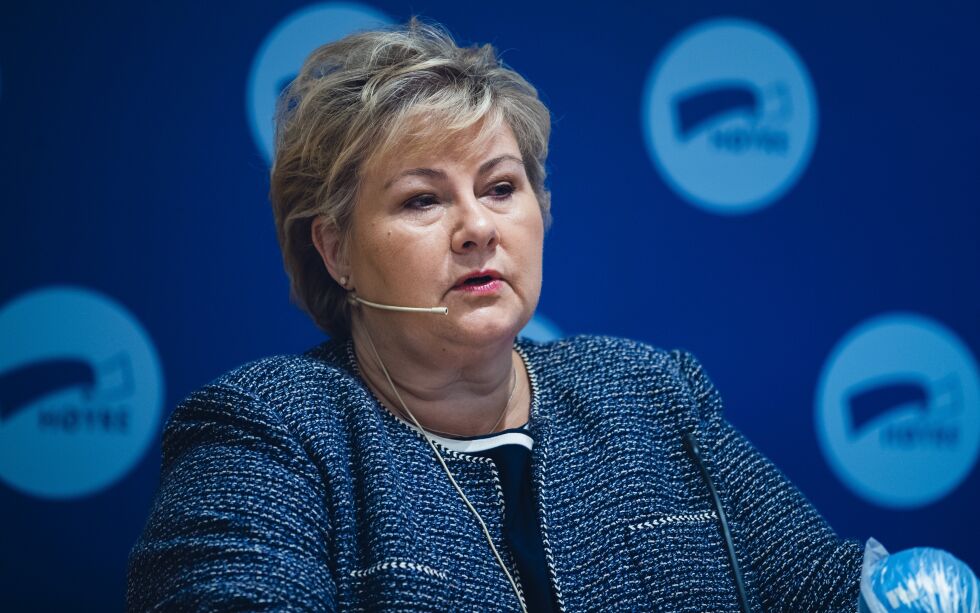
(788, 190)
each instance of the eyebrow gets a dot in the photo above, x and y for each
(439, 174)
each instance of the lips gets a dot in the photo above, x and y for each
(477, 278)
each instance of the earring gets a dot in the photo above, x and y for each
(343, 281)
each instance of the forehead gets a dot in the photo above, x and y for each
(430, 147)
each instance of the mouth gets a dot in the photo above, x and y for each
(482, 282)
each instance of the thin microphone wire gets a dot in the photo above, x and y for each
(459, 490)
(691, 443)
(403, 309)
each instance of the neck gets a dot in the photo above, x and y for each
(448, 389)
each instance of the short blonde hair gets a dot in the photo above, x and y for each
(359, 97)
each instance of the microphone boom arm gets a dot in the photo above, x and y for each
(353, 298)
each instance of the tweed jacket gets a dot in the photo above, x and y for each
(285, 485)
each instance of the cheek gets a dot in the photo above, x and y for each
(394, 256)
(371, 253)
(531, 235)
(527, 250)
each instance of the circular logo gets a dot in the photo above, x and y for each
(80, 392)
(283, 51)
(898, 410)
(729, 115)
(540, 329)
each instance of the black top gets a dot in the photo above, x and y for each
(510, 451)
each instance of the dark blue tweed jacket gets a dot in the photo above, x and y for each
(286, 486)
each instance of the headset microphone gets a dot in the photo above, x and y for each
(353, 298)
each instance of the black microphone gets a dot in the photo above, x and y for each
(694, 449)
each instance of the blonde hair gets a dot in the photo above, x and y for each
(357, 99)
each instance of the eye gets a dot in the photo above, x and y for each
(502, 191)
(420, 203)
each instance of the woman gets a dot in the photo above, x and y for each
(424, 459)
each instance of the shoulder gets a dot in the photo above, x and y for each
(582, 350)
(283, 375)
(269, 389)
(621, 365)
(604, 356)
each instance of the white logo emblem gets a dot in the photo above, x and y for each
(898, 410)
(729, 116)
(80, 392)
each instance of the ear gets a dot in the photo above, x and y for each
(326, 238)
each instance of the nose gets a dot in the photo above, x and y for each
(475, 228)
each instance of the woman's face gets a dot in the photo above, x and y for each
(426, 221)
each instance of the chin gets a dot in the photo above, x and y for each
(489, 326)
